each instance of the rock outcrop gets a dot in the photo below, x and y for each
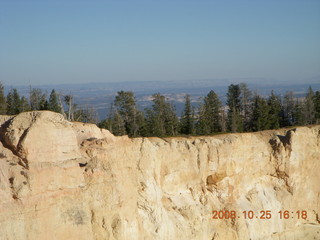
(64, 180)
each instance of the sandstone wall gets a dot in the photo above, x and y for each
(62, 180)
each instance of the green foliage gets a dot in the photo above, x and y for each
(124, 117)
(53, 104)
(235, 123)
(24, 103)
(316, 102)
(11, 109)
(245, 106)
(260, 115)
(125, 104)
(86, 115)
(15, 104)
(118, 125)
(187, 121)
(233, 95)
(299, 117)
(244, 112)
(274, 104)
(3, 103)
(38, 99)
(210, 115)
(287, 110)
(126, 107)
(308, 108)
(161, 119)
(114, 123)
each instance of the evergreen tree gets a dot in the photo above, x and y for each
(274, 111)
(53, 104)
(171, 120)
(224, 120)
(24, 104)
(161, 119)
(246, 106)
(234, 112)
(210, 115)
(115, 123)
(260, 116)
(308, 108)
(299, 117)
(133, 119)
(3, 104)
(14, 105)
(287, 111)
(187, 119)
(118, 125)
(139, 124)
(37, 99)
(154, 123)
(10, 104)
(316, 102)
(45, 105)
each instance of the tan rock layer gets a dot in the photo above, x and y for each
(62, 180)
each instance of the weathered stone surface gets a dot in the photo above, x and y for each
(62, 180)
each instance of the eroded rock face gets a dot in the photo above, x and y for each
(62, 180)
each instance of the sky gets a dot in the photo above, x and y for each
(78, 41)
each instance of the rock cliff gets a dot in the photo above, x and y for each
(64, 180)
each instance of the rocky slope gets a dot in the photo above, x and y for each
(63, 180)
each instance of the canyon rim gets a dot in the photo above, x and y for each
(69, 180)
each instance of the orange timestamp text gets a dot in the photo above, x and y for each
(263, 214)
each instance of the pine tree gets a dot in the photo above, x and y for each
(187, 119)
(299, 117)
(24, 104)
(10, 110)
(45, 105)
(234, 113)
(287, 110)
(210, 115)
(3, 104)
(316, 102)
(223, 120)
(260, 116)
(126, 107)
(118, 125)
(308, 108)
(37, 99)
(53, 104)
(115, 123)
(14, 105)
(139, 124)
(171, 120)
(274, 111)
(246, 105)
(161, 119)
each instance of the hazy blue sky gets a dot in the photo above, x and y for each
(73, 41)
